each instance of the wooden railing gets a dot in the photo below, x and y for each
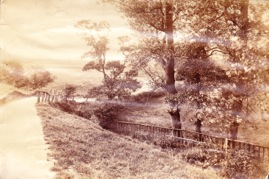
(189, 138)
(178, 138)
(45, 97)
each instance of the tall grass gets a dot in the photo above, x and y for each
(82, 149)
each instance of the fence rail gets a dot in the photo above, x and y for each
(189, 138)
(179, 137)
(45, 97)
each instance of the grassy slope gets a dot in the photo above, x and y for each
(82, 149)
(154, 112)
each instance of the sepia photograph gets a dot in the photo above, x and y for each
(134, 89)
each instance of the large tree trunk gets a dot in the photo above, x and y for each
(244, 4)
(169, 69)
(243, 30)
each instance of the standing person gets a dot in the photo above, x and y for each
(234, 130)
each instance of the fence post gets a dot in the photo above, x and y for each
(177, 133)
(38, 96)
(162, 133)
(46, 97)
(268, 154)
(52, 100)
(49, 98)
(41, 96)
(226, 145)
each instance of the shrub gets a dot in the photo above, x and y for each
(72, 107)
(39, 77)
(84, 110)
(13, 73)
(69, 90)
(108, 113)
(66, 106)
(233, 164)
(242, 164)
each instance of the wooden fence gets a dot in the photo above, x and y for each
(187, 138)
(45, 97)
(174, 137)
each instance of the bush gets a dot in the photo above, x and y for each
(69, 90)
(108, 113)
(39, 78)
(242, 164)
(66, 106)
(13, 73)
(233, 164)
(79, 109)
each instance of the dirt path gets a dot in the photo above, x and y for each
(23, 152)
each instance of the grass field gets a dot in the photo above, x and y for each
(82, 149)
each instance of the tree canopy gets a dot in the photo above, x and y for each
(118, 80)
(210, 45)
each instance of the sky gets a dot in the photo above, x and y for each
(41, 30)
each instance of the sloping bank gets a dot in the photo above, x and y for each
(82, 149)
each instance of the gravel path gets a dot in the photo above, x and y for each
(23, 151)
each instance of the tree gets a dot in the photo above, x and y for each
(69, 91)
(118, 80)
(228, 35)
(155, 21)
(164, 20)
(160, 24)
(242, 62)
(202, 80)
(38, 77)
(14, 73)
(236, 27)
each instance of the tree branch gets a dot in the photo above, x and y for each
(155, 27)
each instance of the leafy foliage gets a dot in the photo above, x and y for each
(69, 90)
(221, 70)
(108, 113)
(222, 65)
(118, 80)
(39, 77)
(233, 164)
(72, 107)
(13, 73)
